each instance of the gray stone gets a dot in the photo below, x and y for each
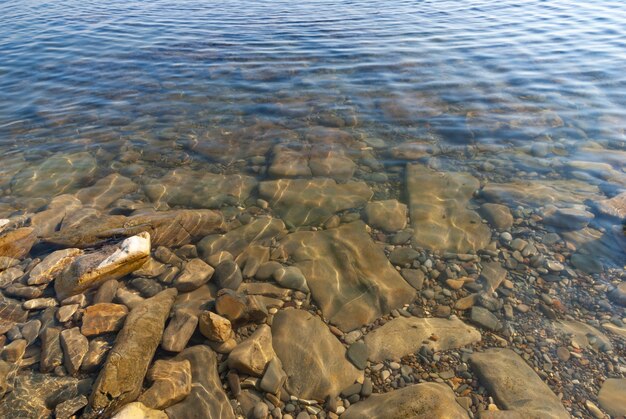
(273, 378)
(402, 256)
(612, 396)
(106, 191)
(194, 274)
(106, 292)
(414, 277)
(515, 386)
(51, 352)
(567, 218)
(357, 354)
(498, 215)
(228, 275)
(291, 277)
(252, 355)
(484, 318)
(75, 347)
(618, 294)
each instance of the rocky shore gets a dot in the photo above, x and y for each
(309, 294)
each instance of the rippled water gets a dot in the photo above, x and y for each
(530, 95)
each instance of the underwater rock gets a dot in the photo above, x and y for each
(389, 215)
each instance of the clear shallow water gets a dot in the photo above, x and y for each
(530, 95)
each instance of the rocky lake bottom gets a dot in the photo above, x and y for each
(311, 210)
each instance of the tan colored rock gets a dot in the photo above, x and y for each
(92, 269)
(612, 397)
(389, 216)
(314, 360)
(403, 336)
(215, 327)
(252, 355)
(103, 318)
(75, 347)
(137, 410)
(17, 243)
(47, 221)
(171, 384)
(419, 401)
(515, 386)
(121, 377)
(52, 265)
(106, 191)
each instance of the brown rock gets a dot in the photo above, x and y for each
(51, 352)
(252, 355)
(98, 348)
(103, 318)
(171, 384)
(11, 313)
(179, 331)
(52, 265)
(17, 243)
(389, 216)
(75, 347)
(215, 327)
(120, 380)
(195, 273)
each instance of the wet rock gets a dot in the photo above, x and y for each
(166, 228)
(179, 331)
(389, 215)
(51, 351)
(40, 303)
(484, 318)
(252, 259)
(17, 243)
(106, 191)
(291, 277)
(75, 347)
(200, 189)
(103, 318)
(30, 395)
(332, 162)
(228, 275)
(47, 221)
(612, 395)
(215, 327)
(349, 276)
(92, 269)
(414, 277)
(403, 336)
(499, 216)
(195, 273)
(98, 349)
(11, 313)
(138, 410)
(252, 355)
(316, 368)
(238, 240)
(121, 376)
(128, 298)
(312, 201)
(14, 351)
(573, 218)
(492, 276)
(165, 255)
(266, 270)
(147, 287)
(207, 398)
(233, 306)
(107, 291)
(438, 206)
(357, 354)
(289, 160)
(151, 269)
(30, 330)
(68, 408)
(618, 294)
(584, 335)
(171, 384)
(402, 256)
(60, 173)
(52, 265)
(65, 313)
(9, 276)
(613, 207)
(273, 378)
(515, 386)
(420, 401)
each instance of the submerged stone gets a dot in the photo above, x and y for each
(438, 204)
(612, 396)
(349, 276)
(17, 243)
(389, 215)
(171, 384)
(52, 265)
(106, 191)
(252, 355)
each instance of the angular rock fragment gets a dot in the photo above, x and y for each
(492, 276)
(195, 273)
(92, 269)
(273, 378)
(51, 351)
(312, 201)
(252, 355)
(419, 401)
(75, 347)
(11, 313)
(540, 192)
(171, 384)
(316, 367)
(103, 318)
(515, 386)
(52, 265)
(10, 276)
(179, 331)
(215, 327)
(207, 398)
(483, 317)
(403, 336)
(438, 204)
(349, 276)
(120, 379)
(98, 348)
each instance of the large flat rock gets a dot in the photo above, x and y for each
(207, 398)
(166, 228)
(121, 377)
(349, 276)
(612, 396)
(314, 360)
(515, 386)
(438, 205)
(537, 193)
(106, 191)
(200, 189)
(403, 336)
(312, 201)
(420, 401)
